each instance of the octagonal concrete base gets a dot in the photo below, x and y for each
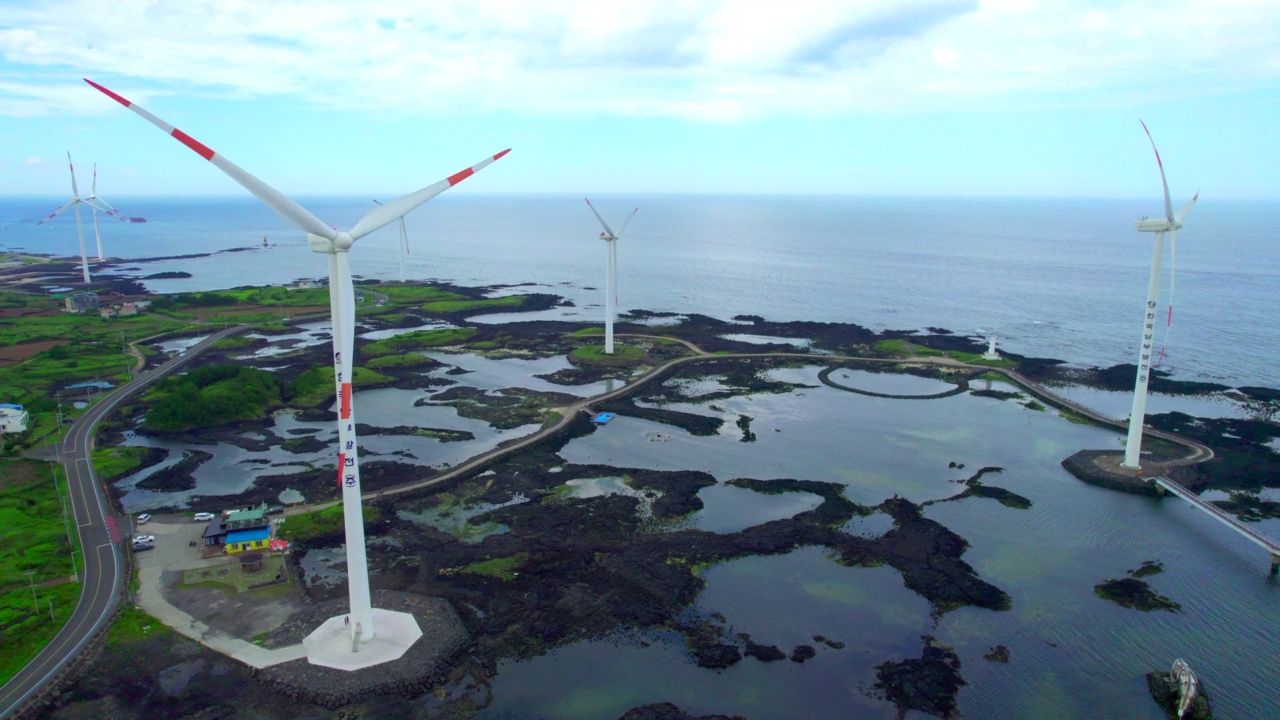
(330, 644)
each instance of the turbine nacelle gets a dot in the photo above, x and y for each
(1157, 225)
(325, 246)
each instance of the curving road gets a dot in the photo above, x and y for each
(102, 576)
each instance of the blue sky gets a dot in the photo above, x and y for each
(903, 97)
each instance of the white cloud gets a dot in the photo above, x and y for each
(34, 160)
(708, 60)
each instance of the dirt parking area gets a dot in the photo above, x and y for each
(245, 615)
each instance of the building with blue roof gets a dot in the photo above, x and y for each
(244, 540)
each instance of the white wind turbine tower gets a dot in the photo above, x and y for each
(610, 273)
(92, 201)
(75, 202)
(328, 645)
(404, 243)
(1168, 224)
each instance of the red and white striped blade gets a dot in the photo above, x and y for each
(1168, 203)
(106, 208)
(55, 212)
(398, 208)
(274, 199)
(75, 191)
(597, 214)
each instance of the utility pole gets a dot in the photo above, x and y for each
(66, 521)
(31, 578)
(51, 617)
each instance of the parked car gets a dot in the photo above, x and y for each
(140, 548)
(277, 510)
(204, 516)
(144, 539)
(144, 518)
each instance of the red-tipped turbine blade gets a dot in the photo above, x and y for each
(399, 207)
(284, 207)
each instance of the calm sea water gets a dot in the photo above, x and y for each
(1058, 278)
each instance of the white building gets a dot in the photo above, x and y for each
(13, 419)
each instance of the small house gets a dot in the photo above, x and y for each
(216, 532)
(81, 302)
(128, 310)
(13, 419)
(246, 519)
(239, 541)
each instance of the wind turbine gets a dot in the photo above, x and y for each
(92, 201)
(1168, 224)
(404, 243)
(75, 202)
(610, 273)
(358, 626)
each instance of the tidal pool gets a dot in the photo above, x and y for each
(1072, 652)
(767, 339)
(728, 509)
(496, 374)
(782, 600)
(1118, 404)
(890, 383)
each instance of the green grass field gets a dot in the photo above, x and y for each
(34, 549)
(622, 354)
(419, 340)
(309, 525)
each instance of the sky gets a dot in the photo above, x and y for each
(878, 97)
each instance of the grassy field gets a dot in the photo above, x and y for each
(112, 462)
(622, 354)
(503, 568)
(419, 340)
(309, 525)
(45, 350)
(34, 549)
(900, 347)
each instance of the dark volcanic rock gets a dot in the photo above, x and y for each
(763, 653)
(802, 653)
(718, 656)
(177, 476)
(667, 711)
(928, 684)
(1136, 594)
(999, 653)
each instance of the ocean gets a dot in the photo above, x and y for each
(1050, 278)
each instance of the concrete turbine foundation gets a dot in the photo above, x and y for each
(332, 644)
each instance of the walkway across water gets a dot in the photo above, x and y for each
(1218, 513)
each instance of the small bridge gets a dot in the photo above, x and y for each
(1271, 546)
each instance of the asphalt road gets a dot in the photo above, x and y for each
(101, 537)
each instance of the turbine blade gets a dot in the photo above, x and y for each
(1185, 209)
(404, 236)
(628, 221)
(55, 212)
(106, 208)
(375, 202)
(399, 207)
(75, 191)
(1168, 203)
(93, 191)
(602, 222)
(274, 199)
